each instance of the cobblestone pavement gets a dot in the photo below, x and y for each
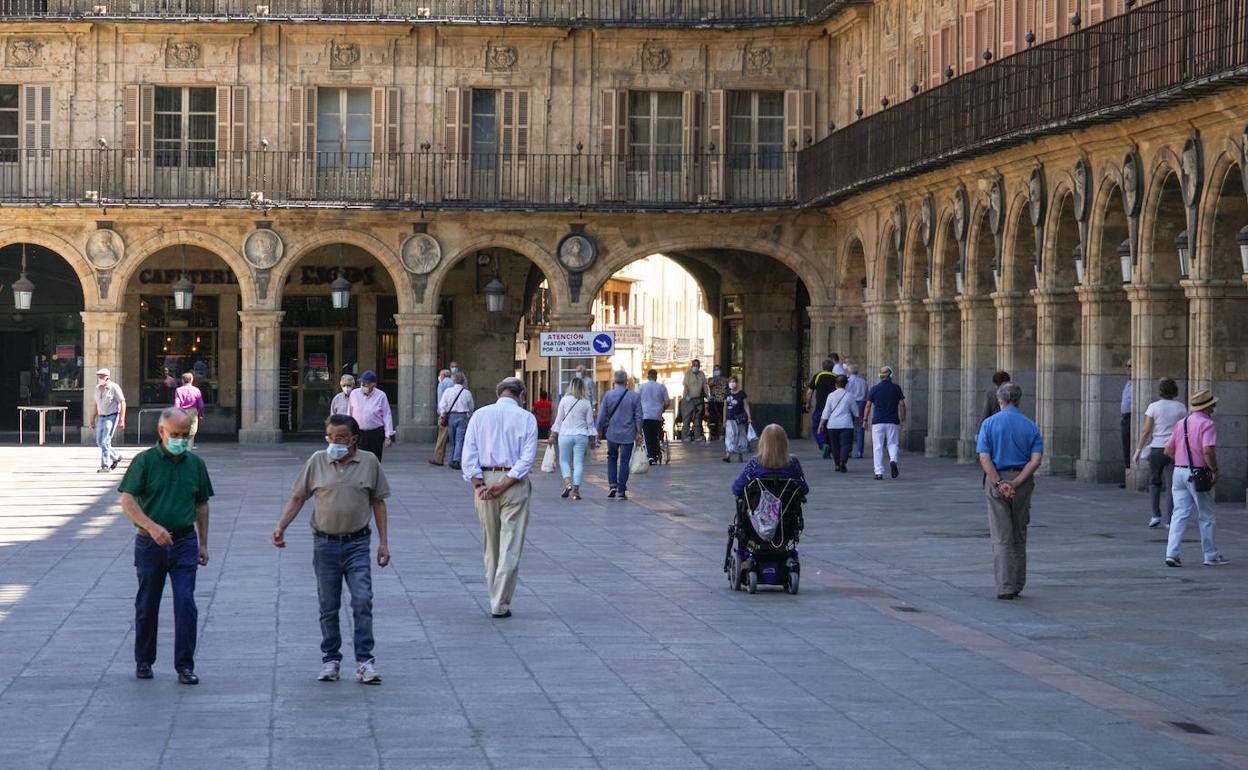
(627, 649)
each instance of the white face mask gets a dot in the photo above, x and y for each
(732, 384)
(697, 369)
(346, 388)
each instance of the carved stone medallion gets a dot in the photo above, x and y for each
(1193, 176)
(343, 56)
(420, 253)
(183, 54)
(960, 206)
(263, 249)
(500, 58)
(1082, 178)
(576, 252)
(655, 58)
(1037, 196)
(22, 53)
(1132, 184)
(105, 248)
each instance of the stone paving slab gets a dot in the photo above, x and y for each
(627, 648)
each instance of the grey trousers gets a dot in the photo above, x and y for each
(1007, 524)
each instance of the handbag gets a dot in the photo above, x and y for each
(765, 515)
(548, 459)
(1200, 476)
(639, 463)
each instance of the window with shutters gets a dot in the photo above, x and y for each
(344, 124)
(483, 131)
(756, 130)
(9, 122)
(185, 127)
(654, 130)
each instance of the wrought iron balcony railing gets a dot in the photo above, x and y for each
(1164, 51)
(396, 180)
(661, 13)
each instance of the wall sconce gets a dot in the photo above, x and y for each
(340, 289)
(1185, 262)
(1077, 253)
(958, 280)
(183, 289)
(1242, 239)
(495, 293)
(23, 287)
(1124, 260)
(996, 275)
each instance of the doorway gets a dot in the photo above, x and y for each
(319, 354)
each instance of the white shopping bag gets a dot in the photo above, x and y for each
(548, 459)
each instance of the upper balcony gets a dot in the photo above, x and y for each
(1160, 53)
(561, 13)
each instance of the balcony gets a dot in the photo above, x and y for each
(623, 13)
(431, 180)
(1155, 54)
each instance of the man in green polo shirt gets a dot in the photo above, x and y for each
(165, 493)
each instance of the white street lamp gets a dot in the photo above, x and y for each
(1185, 262)
(1077, 253)
(1124, 260)
(495, 293)
(23, 287)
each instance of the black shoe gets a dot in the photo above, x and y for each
(456, 466)
(187, 677)
(827, 452)
(500, 615)
(143, 670)
(1175, 562)
(116, 461)
(566, 491)
(1007, 597)
(879, 477)
(622, 496)
(611, 493)
(435, 462)
(892, 468)
(1122, 485)
(727, 459)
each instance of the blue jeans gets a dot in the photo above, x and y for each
(859, 431)
(333, 561)
(153, 562)
(104, 428)
(820, 438)
(457, 426)
(572, 457)
(1185, 499)
(618, 456)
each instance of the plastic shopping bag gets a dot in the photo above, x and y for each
(751, 435)
(548, 459)
(639, 463)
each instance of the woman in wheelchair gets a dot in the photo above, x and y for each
(762, 541)
(773, 460)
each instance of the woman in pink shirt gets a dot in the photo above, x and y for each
(1193, 444)
(189, 399)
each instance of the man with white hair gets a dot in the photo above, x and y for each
(856, 385)
(619, 421)
(108, 416)
(342, 402)
(885, 411)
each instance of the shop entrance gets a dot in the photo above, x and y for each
(319, 354)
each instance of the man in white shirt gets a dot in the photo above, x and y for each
(454, 407)
(856, 384)
(439, 446)
(653, 401)
(499, 447)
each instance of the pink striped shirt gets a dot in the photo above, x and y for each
(1201, 433)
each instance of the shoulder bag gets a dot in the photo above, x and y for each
(443, 418)
(1200, 476)
(602, 429)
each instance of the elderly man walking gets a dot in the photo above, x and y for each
(370, 407)
(439, 446)
(498, 455)
(1010, 449)
(1194, 447)
(342, 401)
(108, 416)
(350, 490)
(619, 420)
(856, 384)
(165, 493)
(693, 401)
(454, 408)
(885, 411)
(190, 399)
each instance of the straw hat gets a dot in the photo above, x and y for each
(1202, 399)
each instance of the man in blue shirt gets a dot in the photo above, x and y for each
(619, 418)
(885, 412)
(1010, 448)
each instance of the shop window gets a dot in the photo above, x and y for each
(756, 130)
(175, 342)
(317, 311)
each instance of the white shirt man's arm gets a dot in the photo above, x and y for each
(444, 405)
(387, 418)
(470, 459)
(470, 406)
(524, 463)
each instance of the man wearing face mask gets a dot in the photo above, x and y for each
(350, 489)
(370, 407)
(165, 493)
(693, 401)
(342, 402)
(590, 390)
(717, 387)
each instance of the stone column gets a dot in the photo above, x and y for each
(1058, 386)
(416, 418)
(979, 358)
(1016, 346)
(102, 333)
(1158, 349)
(913, 371)
(259, 338)
(944, 383)
(849, 334)
(823, 321)
(881, 335)
(1106, 348)
(1218, 349)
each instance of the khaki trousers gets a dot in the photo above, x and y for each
(439, 448)
(1007, 523)
(503, 522)
(193, 413)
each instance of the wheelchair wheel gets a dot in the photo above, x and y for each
(791, 587)
(734, 573)
(752, 584)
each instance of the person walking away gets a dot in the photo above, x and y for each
(1010, 449)
(693, 401)
(737, 420)
(498, 455)
(619, 422)
(190, 399)
(885, 411)
(342, 401)
(439, 445)
(165, 493)
(856, 384)
(370, 407)
(572, 432)
(1125, 408)
(350, 489)
(772, 459)
(840, 413)
(1193, 446)
(717, 391)
(444, 379)
(991, 403)
(542, 412)
(653, 395)
(817, 391)
(108, 415)
(1159, 420)
(454, 409)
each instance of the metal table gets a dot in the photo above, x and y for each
(43, 421)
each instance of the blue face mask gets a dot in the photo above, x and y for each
(337, 451)
(454, 369)
(177, 446)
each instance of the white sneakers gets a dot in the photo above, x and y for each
(329, 672)
(366, 672)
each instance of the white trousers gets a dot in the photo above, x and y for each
(886, 434)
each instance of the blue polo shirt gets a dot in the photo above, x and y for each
(885, 398)
(1009, 438)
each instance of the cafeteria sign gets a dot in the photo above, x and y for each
(576, 344)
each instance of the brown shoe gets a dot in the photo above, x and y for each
(435, 462)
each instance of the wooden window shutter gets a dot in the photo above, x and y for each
(890, 78)
(716, 146)
(799, 126)
(1028, 24)
(455, 143)
(986, 30)
(1009, 26)
(302, 114)
(1096, 11)
(690, 144)
(935, 62)
(969, 57)
(232, 142)
(1050, 20)
(949, 47)
(385, 144)
(514, 145)
(613, 118)
(36, 122)
(138, 104)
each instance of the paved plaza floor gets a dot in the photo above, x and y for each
(627, 649)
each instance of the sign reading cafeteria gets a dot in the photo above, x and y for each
(576, 344)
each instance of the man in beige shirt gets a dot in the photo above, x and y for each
(108, 416)
(350, 489)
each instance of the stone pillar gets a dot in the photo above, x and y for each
(1016, 346)
(416, 417)
(849, 334)
(1106, 348)
(881, 335)
(823, 321)
(1058, 386)
(944, 383)
(259, 339)
(979, 359)
(1218, 350)
(102, 333)
(1158, 349)
(913, 372)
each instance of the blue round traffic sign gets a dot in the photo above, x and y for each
(603, 343)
